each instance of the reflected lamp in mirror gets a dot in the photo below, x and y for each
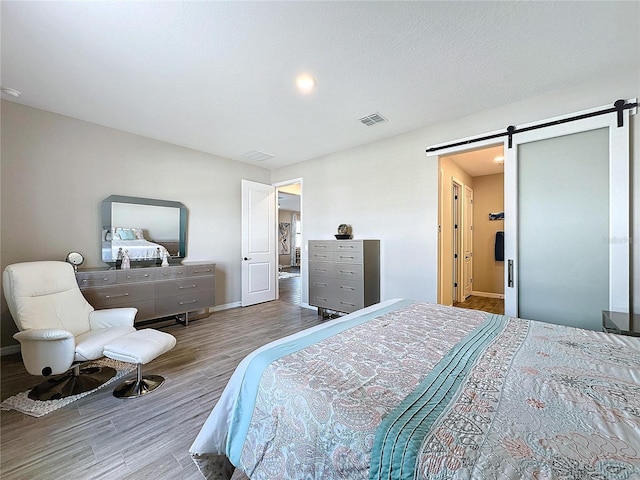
(142, 226)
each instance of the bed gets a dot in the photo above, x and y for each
(406, 389)
(133, 241)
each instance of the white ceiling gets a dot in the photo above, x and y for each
(481, 161)
(219, 76)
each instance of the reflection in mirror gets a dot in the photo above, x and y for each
(147, 229)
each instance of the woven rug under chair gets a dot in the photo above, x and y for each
(37, 408)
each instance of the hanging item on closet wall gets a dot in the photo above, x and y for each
(499, 247)
(496, 216)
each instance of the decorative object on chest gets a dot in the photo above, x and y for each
(157, 292)
(344, 232)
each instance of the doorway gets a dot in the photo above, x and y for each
(471, 222)
(581, 160)
(289, 217)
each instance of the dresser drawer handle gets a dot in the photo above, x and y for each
(321, 284)
(202, 271)
(347, 303)
(187, 303)
(116, 296)
(321, 269)
(320, 298)
(190, 286)
(319, 246)
(345, 246)
(347, 288)
(347, 271)
(345, 256)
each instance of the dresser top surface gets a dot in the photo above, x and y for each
(145, 267)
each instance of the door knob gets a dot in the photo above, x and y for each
(247, 258)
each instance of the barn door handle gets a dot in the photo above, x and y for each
(510, 273)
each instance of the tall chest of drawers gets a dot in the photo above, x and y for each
(344, 275)
(155, 291)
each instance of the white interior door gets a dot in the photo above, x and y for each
(259, 273)
(467, 242)
(567, 222)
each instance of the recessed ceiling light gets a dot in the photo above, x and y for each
(10, 91)
(499, 160)
(305, 83)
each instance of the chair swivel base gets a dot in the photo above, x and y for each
(138, 387)
(75, 381)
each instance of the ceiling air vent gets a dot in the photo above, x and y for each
(372, 119)
(257, 156)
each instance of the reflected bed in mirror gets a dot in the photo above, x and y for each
(146, 228)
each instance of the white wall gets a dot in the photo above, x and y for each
(57, 170)
(389, 189)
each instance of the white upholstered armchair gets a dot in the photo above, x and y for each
(59, 329)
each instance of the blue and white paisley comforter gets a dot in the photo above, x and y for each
(433, 392)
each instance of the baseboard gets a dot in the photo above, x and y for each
(9, 350)
(310, 307)
(487, 294)
(226, 306)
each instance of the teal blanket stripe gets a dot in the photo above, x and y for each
(243, 409)
(401, 433)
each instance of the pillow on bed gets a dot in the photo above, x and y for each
(126, 234)
(138, 233)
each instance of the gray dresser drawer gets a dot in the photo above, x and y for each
(353, 256)
(183, 303)
(146, 309)
(320, 286)
(134, 275)
(348, 246)
(203, 269)
(188, 285)
(320, 246)
(95, 279)
(119, 295)
(323, 269)
(348, 271)
(171, 272)
(321, 256)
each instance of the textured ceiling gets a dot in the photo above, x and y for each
(219, 76)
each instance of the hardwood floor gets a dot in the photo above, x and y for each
(492, 305)
(290, 288)
(102, 437)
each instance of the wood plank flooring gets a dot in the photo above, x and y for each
(102, 437)
(492, 305)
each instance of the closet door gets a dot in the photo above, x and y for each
(567, 222)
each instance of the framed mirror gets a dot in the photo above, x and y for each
(147, 229)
